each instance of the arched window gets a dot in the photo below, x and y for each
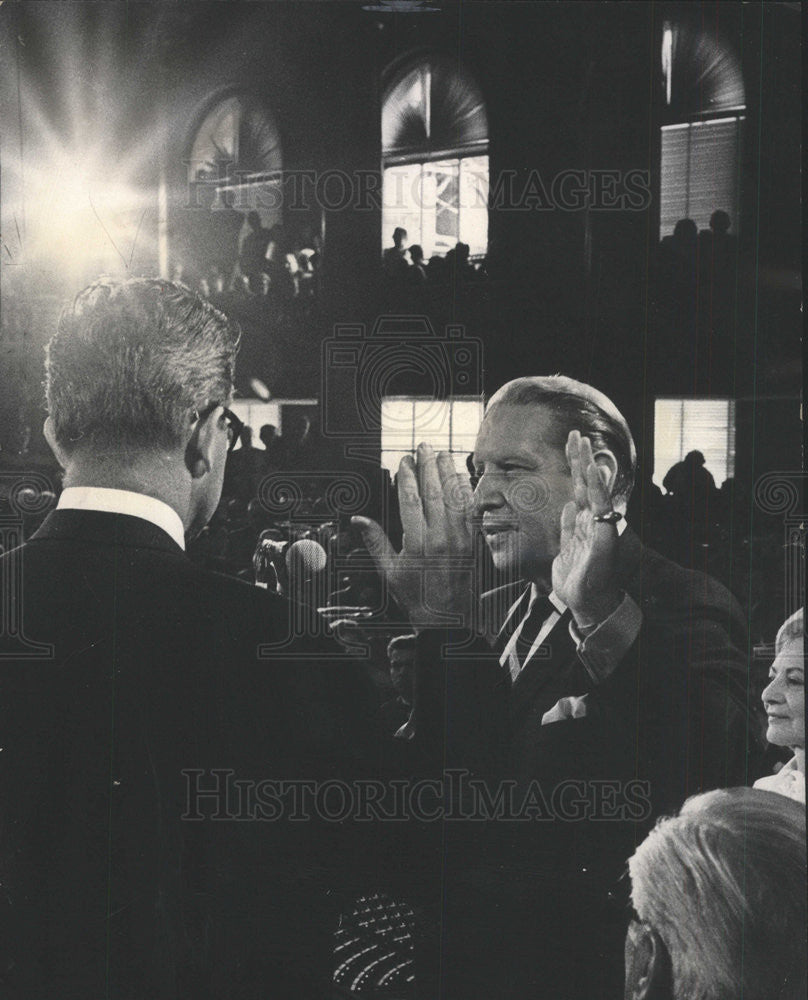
(237, 147)
(701, 135)
(435, 157)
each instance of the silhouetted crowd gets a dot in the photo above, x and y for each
(406, 266)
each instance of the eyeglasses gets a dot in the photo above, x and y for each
(234, 425)
(234, 428)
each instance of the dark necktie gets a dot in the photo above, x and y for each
(538, 615)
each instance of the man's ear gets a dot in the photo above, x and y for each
(200, 450)
(607, 464)
(648, 969)
(50, 436)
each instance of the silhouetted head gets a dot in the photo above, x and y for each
(254, 221)
(267, 434)
(686, 231)
(720, 222)
(416, 253)
(694, 458)
(399, 237)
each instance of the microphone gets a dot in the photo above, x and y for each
(292, 562)
(305, 557)
(305, 585)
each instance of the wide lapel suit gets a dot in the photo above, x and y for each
(685, 661)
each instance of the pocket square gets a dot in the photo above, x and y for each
(573, 707)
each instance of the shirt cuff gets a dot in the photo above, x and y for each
(605, 646)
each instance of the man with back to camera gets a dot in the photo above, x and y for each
(607, 663)
(116, 745)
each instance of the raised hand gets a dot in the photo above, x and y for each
(584, 569)
(432, 577)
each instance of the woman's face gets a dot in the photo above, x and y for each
(784, 698)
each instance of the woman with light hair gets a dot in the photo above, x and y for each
(719, 899)
(784, 701)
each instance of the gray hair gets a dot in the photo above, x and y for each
(577, 406)
(723, 884)
(131, 360)
(792, 628)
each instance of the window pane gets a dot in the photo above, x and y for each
(467, 416)
(404, 112)
(439, 204)
(392, 459)
(431, 422)
(685, 425)
(401, 203)
(474, 204)
(714, 149)
(445, 198)
(448, 425)
(699, 172)
(673, 193)
(397, 423)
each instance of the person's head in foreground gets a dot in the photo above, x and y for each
(720, 904)
(524, 475)
(138, 377)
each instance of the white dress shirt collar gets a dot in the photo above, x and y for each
(125, 502)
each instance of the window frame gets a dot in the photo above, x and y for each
(414, 439)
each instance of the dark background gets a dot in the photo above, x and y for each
(567, 86)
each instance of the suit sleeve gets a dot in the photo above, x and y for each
(687, 718)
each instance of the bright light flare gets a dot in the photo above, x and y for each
(78, 219)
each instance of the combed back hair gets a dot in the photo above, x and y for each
(792, 628)
(578, 407)
(723, 884)
(131, 360)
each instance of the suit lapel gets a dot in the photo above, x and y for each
(512, 619)
(554, 671)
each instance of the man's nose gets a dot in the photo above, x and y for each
(489, 493)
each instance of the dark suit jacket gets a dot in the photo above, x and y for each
(527, 905)
(673, 711)
(153, 671)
